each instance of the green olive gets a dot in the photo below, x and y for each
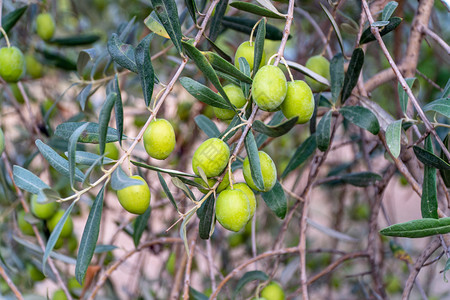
(16, 92)
(237, 98)
(211, 156)
(233, 209)
(248, 52)
(34, 67)
(111, 151)
(68, 225)
(299, 102)
(320, 65)
(59, 295)
(211, 182)
(12, 64)
(269, 88)
(45, 26)
(249, 193)
(135, 198)
(273, 291)
(75, 288)
(159, 139)
(24, 226)
(43, 210)
(72, 243)
(34, 273)
(268, 170)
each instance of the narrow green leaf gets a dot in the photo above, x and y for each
(367, 35)
(118, 111)
(196, 295)
(122, 54)
(337, 75)
(219, 51)
(429, 203)
(246, 25)
(192, 9)
(88, 158)
(203, 93)
(353, 71)
(418, 228)
(388, 10)
(277, 130)
(167, 191)
(259, 45)
(57, 59)
(71, 149)
(89, 135)
(145, 67)
(220, 64)
(249, 277)
(303, 152)
(276, 200)
(167, 12)
(379, 23)
(429, 159)
(245, 67)
(57, 161)
(103, 120)
(75, 40)
(180, 184)
(84, 95)
(446, 173)
(253, 157)
(360, 179)
(234, 122)
(183, 229)
(168, 171)
(324, 132)
(9, 20)
(304, 70)
(446, 91)
(216, 20)
(154, 24)
(84, 57)
(403, 97)
(361, 117)
(335, 27)
(393, 137)
(255, 9)
(27, 181)
(207, 217)
(55, 235)
(104, 248)
(140, 224)
(89, 237)
(441, 106)
(120, 180)
(268, 4)
(208, 126)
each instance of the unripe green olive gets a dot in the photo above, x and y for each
(16, 92)
(249, 193)
(320, 65)
(111, 151)
(45, 26)
(237, 98)
(72, 243)
(248, 52)
(299, 101)
(211, 156)
(34, 273)
(273, 291)
(75, 288)
(43, 210)
(2, 141)
(233, 209)
(34, 67)
(211, 182)
(59, 295)
(24, 226)
(68, 225)
(59, 243)
(268, 170)
(12, 64)
(269, 88)
(159, 139)
(135, 198)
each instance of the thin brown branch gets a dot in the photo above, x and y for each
(5, 276)
(187, 276)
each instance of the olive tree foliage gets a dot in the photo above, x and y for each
(112, 67)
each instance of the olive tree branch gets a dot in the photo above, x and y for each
(5, 276)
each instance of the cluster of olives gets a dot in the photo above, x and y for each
(12, 61)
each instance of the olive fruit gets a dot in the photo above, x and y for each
(34, 273)
(111, 151)
(72, 243)
(299, 101)
(273, 291)
(45, 26)
(247, 51)
(237, 98)
(43, 210)
(233, 209)
(24, 226)
(135, 198)
(33, 66)
(320, 65)
(211, 156)
(211, 182)
(2, 141)
(249, 193)
(159, 139)
(269, 88)
(75, 288)
(268, 170)
(12, 64)
(68, 225)
(59, 295)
